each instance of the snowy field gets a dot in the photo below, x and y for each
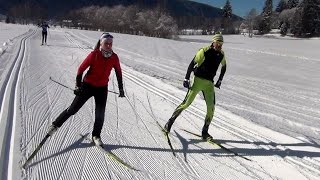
(267, 109)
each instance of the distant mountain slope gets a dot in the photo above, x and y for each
(177, 8)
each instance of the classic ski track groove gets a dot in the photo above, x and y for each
(47, 111)
(11, 86)
(232, 129)
(248, 135)
(184, 165)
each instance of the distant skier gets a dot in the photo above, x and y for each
(44, 27)
(95, 83)
(204, 65)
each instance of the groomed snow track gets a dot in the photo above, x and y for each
(8, 100)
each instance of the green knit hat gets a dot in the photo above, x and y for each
(217, 37)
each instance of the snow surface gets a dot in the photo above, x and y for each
(267, 109)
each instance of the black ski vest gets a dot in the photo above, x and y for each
(207, 70)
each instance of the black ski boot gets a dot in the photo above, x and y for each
(168, 126)
(205, 135)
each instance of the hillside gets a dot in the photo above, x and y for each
(177, 8)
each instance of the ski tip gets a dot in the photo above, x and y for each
(24, 166)
(246, 158)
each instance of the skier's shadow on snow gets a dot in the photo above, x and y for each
(258, 151)
(76, 145)
(218, 152)
(185, 148)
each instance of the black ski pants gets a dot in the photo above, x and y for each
(44, 37)
(100, 95)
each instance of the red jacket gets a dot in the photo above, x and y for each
(100, 69)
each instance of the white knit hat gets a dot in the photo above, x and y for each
(106, 35)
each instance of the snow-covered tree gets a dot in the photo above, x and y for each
(128, 16)
(131, 19)
(226, 17)
(287, 18)
(292, 3)
(265, 23)
(310, 19)
(166, 26)
(281, 6)
(251, 21)
(146, 22)
(227, 10)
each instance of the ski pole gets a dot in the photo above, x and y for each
(61, 84)
(49, 33)
(73, 89)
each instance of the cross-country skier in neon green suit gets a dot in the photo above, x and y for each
(204, 65)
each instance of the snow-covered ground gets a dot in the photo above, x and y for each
(267, 109)
(9, 32)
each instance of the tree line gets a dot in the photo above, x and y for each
(130, 20)
(300, 18)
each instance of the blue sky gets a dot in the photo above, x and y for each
(239, 7)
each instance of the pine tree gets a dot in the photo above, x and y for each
(227, 14)
(227, 10)
(7, 19)
(310, 19)
(281, 6)
(250, 20)
(296, 24)
(292, 3)
(265, 24)
(284, 29)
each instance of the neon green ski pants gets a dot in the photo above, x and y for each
(207, 89)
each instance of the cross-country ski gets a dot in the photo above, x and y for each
(214, 143)
(109, 154)
(166, 135)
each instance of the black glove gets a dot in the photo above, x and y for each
(79, 80)
(218, 83)
(121, 93)
(186, 83)
(78, 91)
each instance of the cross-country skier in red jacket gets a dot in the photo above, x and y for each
(95, 83)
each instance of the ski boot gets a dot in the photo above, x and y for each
(205, 135)
(168, 125)
(52, 129)
(97, 140)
